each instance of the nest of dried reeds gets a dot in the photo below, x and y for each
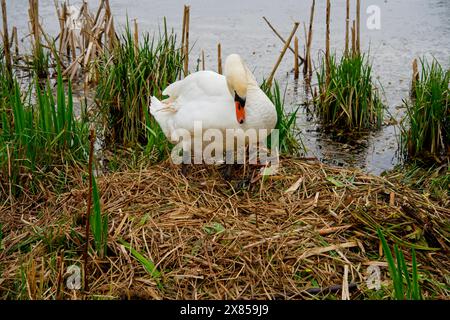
(307, 232)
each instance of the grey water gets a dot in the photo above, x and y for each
(408, 29)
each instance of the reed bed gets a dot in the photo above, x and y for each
(426, 128)
(348, 99)
(130, 76)
(38, 138)
(295, 235)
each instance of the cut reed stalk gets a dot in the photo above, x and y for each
(327, 45)
(183, 32)
(347, 27)
(280, 57)
(186, 42)
(136, 38)
(308, 64)
(34, 19)
(358, 26)
(16, 43)
(354, 48)
(6, 46)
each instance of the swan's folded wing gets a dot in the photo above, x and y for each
(198, 85)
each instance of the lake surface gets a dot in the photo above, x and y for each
(409, 29)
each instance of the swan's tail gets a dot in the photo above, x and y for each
(161, 114)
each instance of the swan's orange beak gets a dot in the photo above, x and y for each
(240, 112)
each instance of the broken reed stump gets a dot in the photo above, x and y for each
(327, 45)
(89, 205)
(302, 60)
(347, 26)
(308, 65)
(296, 57)
(219, 58)
(286, 45)
(6, 46)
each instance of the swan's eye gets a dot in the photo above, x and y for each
(241, 101)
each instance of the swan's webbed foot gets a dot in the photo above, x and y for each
(186, 162)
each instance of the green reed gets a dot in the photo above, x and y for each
(406, 285)
(98, 222)
(289, 141)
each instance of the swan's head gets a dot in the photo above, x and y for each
(238, 78)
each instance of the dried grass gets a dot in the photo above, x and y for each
(290, 236)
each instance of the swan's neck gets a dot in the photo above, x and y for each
(260, 111)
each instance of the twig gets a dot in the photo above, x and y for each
(282, 39)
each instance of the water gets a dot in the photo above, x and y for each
(409, 29)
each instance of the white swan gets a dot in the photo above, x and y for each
(233, 101)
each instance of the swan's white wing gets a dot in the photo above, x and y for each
(212, 112)
(198, 85)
